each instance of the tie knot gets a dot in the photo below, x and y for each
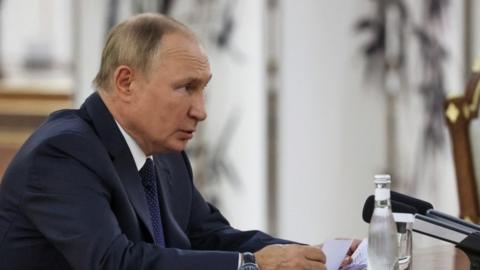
(147, 173)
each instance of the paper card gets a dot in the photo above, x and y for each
(335, 251)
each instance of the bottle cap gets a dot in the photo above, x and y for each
(382, 179)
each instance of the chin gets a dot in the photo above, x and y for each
(178, 146)
(169, 147)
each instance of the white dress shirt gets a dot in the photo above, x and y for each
(138, 155)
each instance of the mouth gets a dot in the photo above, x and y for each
(187, 133)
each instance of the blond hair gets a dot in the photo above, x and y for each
(134, 43)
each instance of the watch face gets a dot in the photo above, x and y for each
(249, 266)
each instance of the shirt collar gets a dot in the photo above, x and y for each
(138, 155)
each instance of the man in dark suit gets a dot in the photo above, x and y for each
(109, 186)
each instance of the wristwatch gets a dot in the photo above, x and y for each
(248, 262)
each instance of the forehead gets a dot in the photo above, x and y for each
(183, 53)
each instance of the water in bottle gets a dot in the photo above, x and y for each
(382, 233)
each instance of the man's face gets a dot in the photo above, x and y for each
(169, 100)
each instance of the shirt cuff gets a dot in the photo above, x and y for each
(239, 260)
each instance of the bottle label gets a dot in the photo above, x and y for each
(382, 194)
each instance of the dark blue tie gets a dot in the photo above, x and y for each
(147, 173)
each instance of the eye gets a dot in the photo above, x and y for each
(184, 87)
(190, 87)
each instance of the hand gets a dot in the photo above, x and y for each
(351, 250)
(290, 257)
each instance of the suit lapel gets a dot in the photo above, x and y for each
(170, 226)
(95, 112)
(130, 178)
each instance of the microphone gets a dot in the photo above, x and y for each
(397, 207)
(426, 209)
(466, 226)
(421, 206)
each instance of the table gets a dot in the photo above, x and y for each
(443, 257)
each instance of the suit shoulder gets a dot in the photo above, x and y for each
(63, 141)
(63, 132)
(64, 122)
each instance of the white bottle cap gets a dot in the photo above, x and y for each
(382, 178)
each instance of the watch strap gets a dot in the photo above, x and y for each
(249, 262)
(248, 257)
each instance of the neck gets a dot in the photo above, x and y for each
(120, 116)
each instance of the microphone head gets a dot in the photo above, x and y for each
(397, 207)
(420, 205)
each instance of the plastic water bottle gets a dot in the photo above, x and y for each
(382, 233)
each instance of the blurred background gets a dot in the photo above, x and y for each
(309, 98)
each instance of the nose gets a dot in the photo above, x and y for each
(197, 110)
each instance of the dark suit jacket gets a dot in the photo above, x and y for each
(72, 199)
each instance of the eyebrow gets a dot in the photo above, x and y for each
(194, 80)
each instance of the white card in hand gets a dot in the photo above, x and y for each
(335, 251)
(360, 256)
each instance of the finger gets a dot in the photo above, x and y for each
(314, 254)
(353, 246)
(348, 260)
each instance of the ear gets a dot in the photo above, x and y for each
(122, 79)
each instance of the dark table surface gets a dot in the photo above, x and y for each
(442, 257)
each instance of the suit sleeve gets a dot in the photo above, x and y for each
(208, 229)
(70, 204)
